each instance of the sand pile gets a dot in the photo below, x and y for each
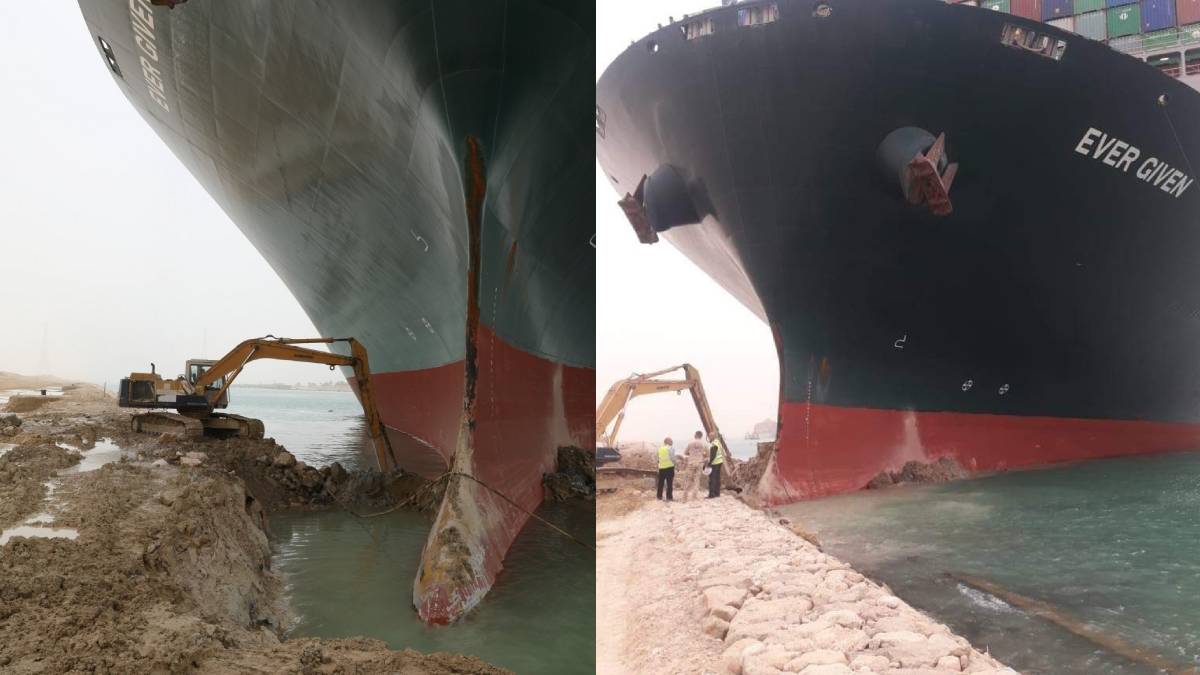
(738, 593)
(24, 471)
(280, 481)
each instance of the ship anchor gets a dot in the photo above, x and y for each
(920, 163)
(925, 185)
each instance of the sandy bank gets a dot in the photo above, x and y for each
(170, 567)
(717, 587)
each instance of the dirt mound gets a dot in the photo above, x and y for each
(940, 471)
(24, 471)
(355, 655)
(575, 477)
(18, 381)
(20, 404)
(638, 455)
(279, 481)
(750, 472)
(167, 567)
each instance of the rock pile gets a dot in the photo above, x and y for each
(575, 478)
(940, 471)
(780, 605)
(9, 425)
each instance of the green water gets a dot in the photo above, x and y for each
(350, 577)
(319, 427)
(347, 577)
(1114, 543)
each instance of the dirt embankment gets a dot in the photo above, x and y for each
(170, 570)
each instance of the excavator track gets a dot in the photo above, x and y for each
(166, 423)
(228, 425)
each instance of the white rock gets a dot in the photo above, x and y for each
(828, 669)
(870, 661)
(817, 657)
(716, 627)
(949, 663)
(159, 462)
(843, 617)
(190, 461)
(896, 637)
(732, 657)
(724, 613)
(717, 596)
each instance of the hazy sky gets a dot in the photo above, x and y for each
(655, 308)
(106, 242)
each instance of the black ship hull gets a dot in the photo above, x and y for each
(1053, 314)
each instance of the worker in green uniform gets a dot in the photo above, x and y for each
(716, 459)
(666, 469)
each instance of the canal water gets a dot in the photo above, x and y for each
(347, 576)
(1114, 544)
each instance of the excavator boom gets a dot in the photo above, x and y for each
(213, 383)
(611, 410)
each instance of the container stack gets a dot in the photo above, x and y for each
(1126, 25)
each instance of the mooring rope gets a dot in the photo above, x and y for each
(1171, 124)
(450, 474)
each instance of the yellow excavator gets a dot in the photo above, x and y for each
(204, 387)
(612, 409)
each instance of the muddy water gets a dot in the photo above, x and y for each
(104, 452)
(1114, 545)
(348, 576)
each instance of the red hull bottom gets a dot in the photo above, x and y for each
(825, 450)
(526, 408)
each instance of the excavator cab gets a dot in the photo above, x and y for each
(195, 369)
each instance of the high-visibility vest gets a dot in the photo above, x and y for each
(718, 459)
(664, 458)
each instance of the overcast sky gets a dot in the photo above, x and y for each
(106, 242)
(655, 308)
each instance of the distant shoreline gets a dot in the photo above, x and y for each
(340, 386)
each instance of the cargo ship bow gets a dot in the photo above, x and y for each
(419, 174)
(974, 235)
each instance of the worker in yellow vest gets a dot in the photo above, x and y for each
(666, 468)
(716, 460)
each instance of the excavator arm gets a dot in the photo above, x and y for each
(612, 408)
(287, 349)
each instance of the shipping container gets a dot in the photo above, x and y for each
(1085, 6)
(1030, 9)
(1129, 43)
(1124, 20)
(1161, 39)
(1157, 15)
(1118, 3)
(1066, 23)
(1187, 11)
(1092, 25)
(1057, 9)
(995, 5)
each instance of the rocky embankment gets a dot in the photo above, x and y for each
(160, 562)
(723, 588)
